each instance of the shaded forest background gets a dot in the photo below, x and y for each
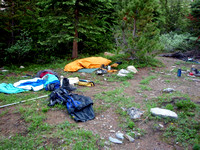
(40, 31)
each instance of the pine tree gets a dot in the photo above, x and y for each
(67, 22)
(17, 18)
(173, 14)
(139, 24)
(195, 18)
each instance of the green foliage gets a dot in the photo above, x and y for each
(169, 106)
(194, 17)
(173, 21)
(137, 32)
(17, 19)
(196, 147)
(18, 52)
(173, 41)
(58, 24)
(185, 104)
(131, 124)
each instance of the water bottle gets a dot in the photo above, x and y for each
(179, 72)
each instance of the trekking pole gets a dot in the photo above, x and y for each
(24, 101)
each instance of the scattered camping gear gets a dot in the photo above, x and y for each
(42, 73)
(179, 72)
(90, 62)
(112, 70)
(73, 81)
(116, 64)
(34, 84)
(86, 83)
(24, 101)
(78, 106)
(88, 70)
(194, 72)
(101, 71)
(61, 80)
(10, 89)
(67, 86)
(132, 69)
(186, 56)
(51, 82)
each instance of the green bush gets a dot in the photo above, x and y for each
(173, 41)
(18, 52)
(169, 107)
(185, 104)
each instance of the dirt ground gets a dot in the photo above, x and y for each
(106, 123)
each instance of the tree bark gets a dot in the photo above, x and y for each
(75, 45)
(75, 42)
(134, 27)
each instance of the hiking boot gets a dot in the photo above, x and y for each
(67, 86)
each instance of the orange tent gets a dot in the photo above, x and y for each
(90, 62)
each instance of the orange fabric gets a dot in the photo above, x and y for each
(90, 62)
(113, 70)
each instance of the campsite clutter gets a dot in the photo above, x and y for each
(78, 106)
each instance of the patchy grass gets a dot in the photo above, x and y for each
(185, 130)
(147, 80)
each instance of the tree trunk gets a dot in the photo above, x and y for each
(75, 42)
(12, 26)
(134, 27)
(75, 45)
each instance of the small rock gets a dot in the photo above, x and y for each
(4, 70)
(168, 90)
(106, 148)
(108, 54)
(134, 113)
(114, 140)
(137, 135)
(128, 137)
(83, 74)
(163, 112)
(124, 109)
(120, 135)
(107, 143)
(102, 138)
(112, 131)
(124, 71)
(161, 125)
(121, 75)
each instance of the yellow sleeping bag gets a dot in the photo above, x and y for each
(90, 62)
